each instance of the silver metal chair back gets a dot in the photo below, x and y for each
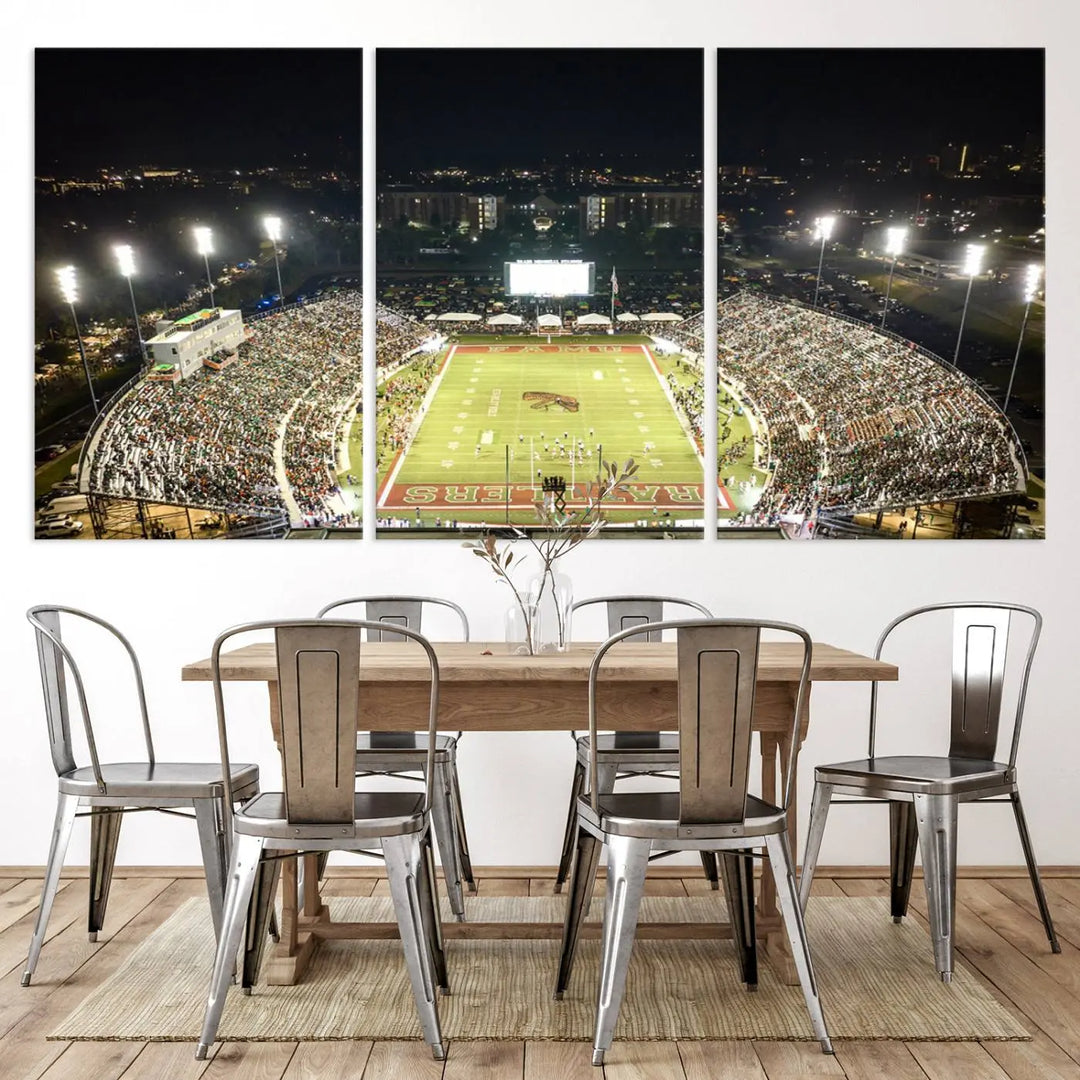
(392, 611)
(54, 657)
(318, 664)
(624, 612)
(717, 673)
(980, 640)
(393, 752)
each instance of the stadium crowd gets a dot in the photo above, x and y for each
(224, 439)
(426, 295)
(857, 421)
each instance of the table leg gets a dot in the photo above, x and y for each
(297, 944)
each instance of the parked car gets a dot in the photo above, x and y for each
(56, 528)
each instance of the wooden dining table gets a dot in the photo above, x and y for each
(485, 688)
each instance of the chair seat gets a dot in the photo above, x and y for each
(375, 813)
(922, 775)
(655, 814)
(161, 780)
(633, 749)
(393, 749)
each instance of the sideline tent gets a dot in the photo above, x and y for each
(505, 319)
(594, 318)
(627, 316)
(458, 316)
(661, 316)
(549, 320)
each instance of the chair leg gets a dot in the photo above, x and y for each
(208, 818)
(936, 818)
(260, 916)
(628, 862)
(458, 816)
(577, 788)
(708, 864)
(606, 775)
(582, 879)
(1033, 871)
(403, 857)
(738, 870)
(819, 812)
(443, 822)
(104, 836)
(66, 805)
(246, 856)
(787, 897)
(428, 892)
(903, 840)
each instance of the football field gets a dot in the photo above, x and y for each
(499, 417)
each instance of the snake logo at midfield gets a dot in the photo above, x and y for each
(542, 399)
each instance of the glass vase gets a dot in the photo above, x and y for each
(519, 626)
(552, 595)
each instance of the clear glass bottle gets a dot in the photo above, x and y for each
(552, 594)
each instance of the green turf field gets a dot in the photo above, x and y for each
(477, 423)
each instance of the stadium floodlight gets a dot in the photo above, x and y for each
(68, 290)
(973, 258)
(204, 244)
(1032, 277)
(273, 230)
(824, 230)
(125, 256)
(894, 246)
(66, 276)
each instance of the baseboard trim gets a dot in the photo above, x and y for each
(669, 871)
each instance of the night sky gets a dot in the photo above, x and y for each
(789, 103)
(197, 108)
(489, 107)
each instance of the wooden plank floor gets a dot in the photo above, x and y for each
(998, 933)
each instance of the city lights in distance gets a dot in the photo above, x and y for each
(125, 256)
(894, 242)
(973, 258)
(1031, 281)
(66, 277)
(203, 240)
(824, 228)
(273, 228)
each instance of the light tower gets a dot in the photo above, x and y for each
(273, 230)
(66, 277)
(126, 258)
(1031, 287)
(824, 230)
(972, 268)
(894, 245)
(205, 246)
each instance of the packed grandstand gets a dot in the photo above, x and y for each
(846, 418)
(855, 420)
(263, 434)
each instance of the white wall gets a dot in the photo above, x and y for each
(515, 785)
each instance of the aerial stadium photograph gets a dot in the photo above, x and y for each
(198, 303)
(881, 303)
(535, 249)
(540, 311)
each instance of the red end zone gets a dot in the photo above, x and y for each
(485, 496)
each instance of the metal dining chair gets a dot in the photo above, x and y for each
(318, 663)
(402, 753)
(925, 792)
(622, 754)
(711, 811)
(110, 790)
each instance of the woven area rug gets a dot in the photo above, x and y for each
(876, 978)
